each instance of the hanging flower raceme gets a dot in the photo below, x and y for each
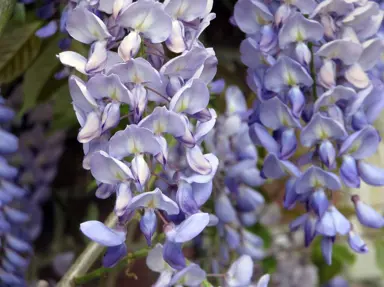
(238, 205)
(312, 66)
(144, 118)
(16, 226)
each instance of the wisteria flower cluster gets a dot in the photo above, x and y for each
(155, 164)
(238, 205)
(16, 228)
(312, 66)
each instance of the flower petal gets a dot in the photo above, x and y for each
(98, 232)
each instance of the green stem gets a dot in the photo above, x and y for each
(6, 9)
(313, 71)
(121, 265)
(86, 259)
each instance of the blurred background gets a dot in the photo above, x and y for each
(33, 83)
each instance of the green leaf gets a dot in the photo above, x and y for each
(341, 256)
(18, 48)
(269, 264)
(39, 73)
(263, 232)
(379, 248)
(63, 114)
(206, 283)
(92, 212)
(6, 8)
(19, 15)
(344, 254)
(92, 185)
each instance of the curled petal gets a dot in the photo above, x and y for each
(173, 255)
(197, 161)
(251, 15)
(361, 144)
(123, 198)
(114, 254)
(98, 59)
(303, 54)
(357, 77)
(192, 275)
(265, 139)
(130, 46)
(133, 140)
(319, 202)
(263, 281)
(203, 128)
(345, 50)
(185, 198)
(290, 195)
(224, 209)
(248, 199)
(137, 71)
(74, 60)
(297, 28)
(327, 153)
(109, 170)
(163, 121)
(315, 177)
(98, 232)
(201, 192)
(91, 128)
(8, 144)
(189, 228)
(199, 178)
(333, 222)
(372, 50)
(110, 117)
(148, 224)
(186, 10)
(275, 114)
(320, 128)
(297, 100)
(154, 199)
(235, 100)
(327, 74)
(140, 169)
(191, 99)
(284, 73)
(176, 42)
(47, 30)
(349, 172)
(275, 168)
(240, 272)
(80, 95)
(371, 174)
(367, 215)
(86, 27)
(105, 190)
(356, 243)
(148, 18)
(334, 95)
(109, 86)
(155, 260)
(186, 64)
(326, 249)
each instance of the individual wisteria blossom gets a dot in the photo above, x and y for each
(15, 220)
(144, 119)
(312, 65)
